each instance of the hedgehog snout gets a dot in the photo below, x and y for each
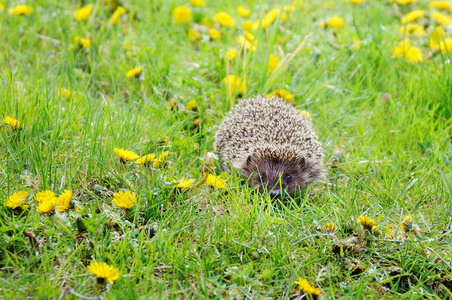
(275, 193)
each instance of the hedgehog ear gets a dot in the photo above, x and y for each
(249, 161)
(302, 162)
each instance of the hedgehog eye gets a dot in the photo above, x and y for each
(262, 177)
(288, 178)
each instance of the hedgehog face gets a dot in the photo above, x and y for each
(278, 175)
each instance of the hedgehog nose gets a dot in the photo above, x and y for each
(275, 193)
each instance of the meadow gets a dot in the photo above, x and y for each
(109, 185)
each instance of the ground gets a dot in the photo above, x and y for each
(157, 77)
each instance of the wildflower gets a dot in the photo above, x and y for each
(124, 200)
(247, 25)
(329, 228)
(289, 8)
(441, 18)
(404, 2)
(116, 16)
(144, 160)
(367, 223)
(411, 53)
(215, 181)
(306, 114)
(214, 34)
(66, 93)
(17, 199)
(199, 3)
(46, 201)
(82, 14)
(193, 34)
(224, 19)
(207, 23)
(64, 201)
(249, 36)
(104, 271)
(334, 22)
(243, 11)
(303, 285)
(182, 14)
(125, 155)
(182, 183)
(85, 42)
(446, 5)
(356, 43)
(22, 9)
(197, 122)
(15, 124)
(283, 94)
(436, 37)
(135, 72)
(445, 45)
(161, 159)
(126, 46)
(2, 7)
(231, 53)
(273, 62)
(245, 43)
(235, 83)
(413, 15)
(407, 224)
(412, 28)
(192, 105)
(358, 1)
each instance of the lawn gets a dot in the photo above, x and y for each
(84, 81)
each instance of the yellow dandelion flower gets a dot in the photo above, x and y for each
(289, 8)
(235, 84)
(104, 271)
(445, 5)
(329, 228)
(160, 160)
(215, 181)
(46, 201)
(441, 18)
(199, 3)
(224, 19)
(245, 43)
(335, 22)
(2, 7)
(413, 15)
(145, 159)
(445, 45)
(197, 122)
(182, 15)
(413, 54)
(306, 114)
(125, 154)
(412, 28)
(404, 2)
(367, 223)
(17, 199)
(358, 1)
(247, 25)
(249, 36)
(436, 37)
(231, 53)
(66, 94)
(64, 201)
(356, 43)
(214, 34)
(126, 46)
(407, 224)
(192, 105)
(124, 200)
(134, 72)
(116, 16)
(85, 42)
(183, 183)
(401, 49)
(193, 34)
(273, 62)
(243, 11)
(22, 9)
(283, 94)
(82, 14)
(13, 123)
(303, 285)
(207, 23)
(45, 196)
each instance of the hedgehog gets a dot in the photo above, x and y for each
(271, 144)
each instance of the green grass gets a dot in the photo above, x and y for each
(384, 123)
